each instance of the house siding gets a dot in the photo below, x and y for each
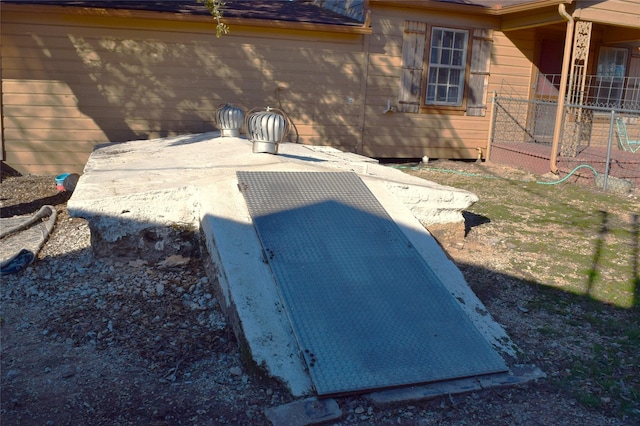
(511, 67)
(413, 135)
(70, 82)
(74, 80)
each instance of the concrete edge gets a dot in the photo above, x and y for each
(249, 288)
(517, 375)
(311, 411)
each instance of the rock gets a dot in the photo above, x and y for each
(304, 412)
(68, 372)
(235, 371)
(614, 184)
(173, 261)
(137, 263)
(12, 373)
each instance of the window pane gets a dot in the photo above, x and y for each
(620, 63)
(433, 58)
(443, 76)
(447, 39)
(436, 38)
(454, 77)
(442, 94)
(431, 93)
(445, 59)
(433, 76)
(453, 93)
(460, 40)
(457, 58)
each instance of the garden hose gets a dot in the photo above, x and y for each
(458, 172)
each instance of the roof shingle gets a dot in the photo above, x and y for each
(280, 10)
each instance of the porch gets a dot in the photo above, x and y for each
(595, 130)
(536, 158)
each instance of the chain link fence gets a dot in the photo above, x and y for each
(599, 139)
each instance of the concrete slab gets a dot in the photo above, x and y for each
(142, 198)
(157, 182)
(304, 412)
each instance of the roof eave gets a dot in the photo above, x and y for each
(184, 17)
(495, 10)
(302, 26)
(528, 7)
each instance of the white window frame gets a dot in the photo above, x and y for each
(447, 66)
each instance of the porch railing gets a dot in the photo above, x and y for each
(522, 130)
(592, 90)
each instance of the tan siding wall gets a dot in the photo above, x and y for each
(71, 82)
(435, 135)
(512, 61)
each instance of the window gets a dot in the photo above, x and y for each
(611, 72)
(447, 65)
(612, 62)
(444, 69)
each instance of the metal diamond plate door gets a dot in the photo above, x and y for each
(365, 308)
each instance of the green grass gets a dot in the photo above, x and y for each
(569, 229)
(577, 248)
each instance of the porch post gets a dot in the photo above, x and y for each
(579, 61)
(563, 87)
(573, 125)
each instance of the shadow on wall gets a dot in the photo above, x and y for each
(150, 87)
(140, 85)
(129, 83)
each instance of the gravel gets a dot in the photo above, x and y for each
(99, 341)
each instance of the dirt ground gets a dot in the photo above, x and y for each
(95, 341)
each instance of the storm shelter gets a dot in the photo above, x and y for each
(366, 309)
